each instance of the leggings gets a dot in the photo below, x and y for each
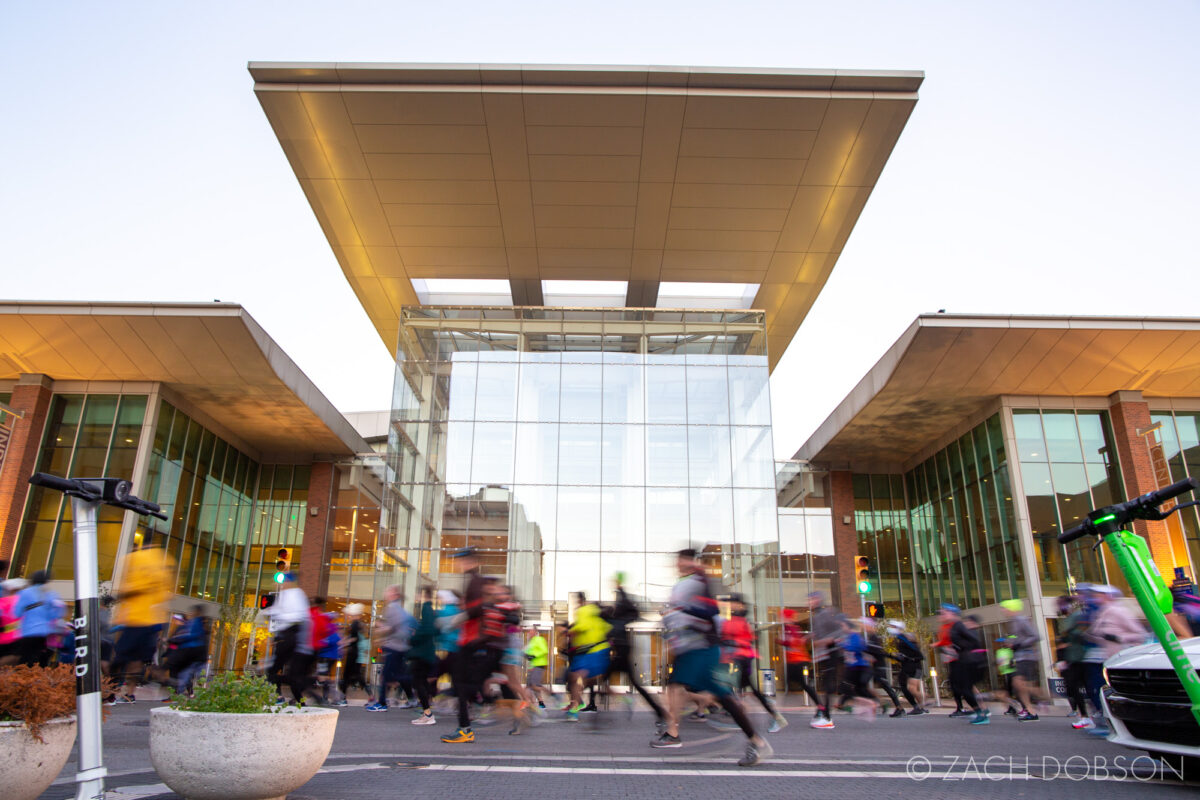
(746, 681)
(420, 677)
(621, 662)
(881, 681)
(1075, 678)
(795, 675)
(956, 679)
(1094, 675)
(967, 675)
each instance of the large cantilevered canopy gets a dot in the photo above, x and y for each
(213, 355)
(637, 174)
(946, 368)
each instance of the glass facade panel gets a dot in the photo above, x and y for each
(1068, 467)
(568, 444)
(85, 436)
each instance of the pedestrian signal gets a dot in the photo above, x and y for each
(266, 600)
(875, 610)
(862, 572)
(283, 562)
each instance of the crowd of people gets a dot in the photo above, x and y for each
(474, 636)
(137, 645)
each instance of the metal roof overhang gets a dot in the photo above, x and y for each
(213, 355)
(638, 174)
(946, 368)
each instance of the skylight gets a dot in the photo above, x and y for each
(706, 295)
(593, 294)
(463, 291)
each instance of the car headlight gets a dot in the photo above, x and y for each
(1104, 673)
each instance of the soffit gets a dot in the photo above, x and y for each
(214, 356)
(638, 174)
(947, 368)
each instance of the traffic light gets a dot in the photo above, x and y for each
(875, 610)
(862, 574)
(283, 563)
(266, 600)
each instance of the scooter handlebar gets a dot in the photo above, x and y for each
(1135, 508)
(55, 482)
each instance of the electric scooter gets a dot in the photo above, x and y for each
(1133, 557)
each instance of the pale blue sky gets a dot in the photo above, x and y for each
(1051, 165)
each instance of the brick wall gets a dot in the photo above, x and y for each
(1129, 414)
(31, 396)
(313, 546)
(845, 540)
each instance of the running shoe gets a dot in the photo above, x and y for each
(961, 713)
(1026, 716)
(121, 699)
(410, 704)
(899, 712)
(666, 740)
(982, 718)
(1083, 724)
(588, 709)
(339, 703)
(424, 719)
(778, 723)
(756, 754)
(822, 722)
(375, 707)
(696, 716)
(918, 711)
(660, 728)
(722, 724)
(1098, 731)
(460, 736)
(572, 716)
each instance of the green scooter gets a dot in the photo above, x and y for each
(1133, 557)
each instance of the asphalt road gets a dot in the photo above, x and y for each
(382, 754)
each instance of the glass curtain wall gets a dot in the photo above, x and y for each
(1068, 467)
(567, 445)
(1179, 438)
(228, 515)
(86, 436)
(881, 520)
(963, 531)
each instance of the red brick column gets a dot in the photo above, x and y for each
(31, 396)
(314, 577)
(845, 540)
(1129, 414)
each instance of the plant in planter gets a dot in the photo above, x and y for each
(37, 727)
(230, 742)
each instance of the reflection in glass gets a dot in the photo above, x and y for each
(666, 393)
(708, 456)
(623, 455)
(707, 395)
(666, 455)
(579, 454)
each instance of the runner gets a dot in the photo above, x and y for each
(1111, 630)
(471, 662)
(422, 655)
(879, 659)
(189, 650)
(353, 648)
(798, 661)
(738, 650)
(910, 658)
(590, 662)
(692, 636)
(858, 669)
(141, 612)
(537, 653)
(10, 623)
(1071, 648)
(971, 657)
(620, 615)
(1026, 658)
(39, 609)
(826, 632)
(292, 645)
(394, 630)
(948, 615)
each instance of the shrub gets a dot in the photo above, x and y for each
(36, 695)
(229, 693)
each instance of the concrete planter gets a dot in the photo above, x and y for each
(27, 766)
(205, 756)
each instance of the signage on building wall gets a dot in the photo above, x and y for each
(1162, 477)
(8, 418)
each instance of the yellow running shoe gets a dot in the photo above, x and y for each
(461, 736)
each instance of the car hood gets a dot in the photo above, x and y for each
(1152, 656)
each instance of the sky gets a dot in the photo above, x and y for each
(1050, 166)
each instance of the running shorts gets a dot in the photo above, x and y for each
(1028, 671)
(592, 665)
(137, 644)
(694, 669)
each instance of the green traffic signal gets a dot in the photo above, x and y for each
(864, 587)
(279, 577)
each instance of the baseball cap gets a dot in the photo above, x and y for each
(953, 609)
(1014, 605)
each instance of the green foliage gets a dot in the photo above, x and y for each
(229, 693)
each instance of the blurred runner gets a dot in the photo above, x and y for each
(141, 613)
(737, 640)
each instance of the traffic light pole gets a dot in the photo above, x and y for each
(87, 495)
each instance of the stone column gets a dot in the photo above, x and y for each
(1130, 414)
(314, 546)
(845, 540)
(31, 397)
